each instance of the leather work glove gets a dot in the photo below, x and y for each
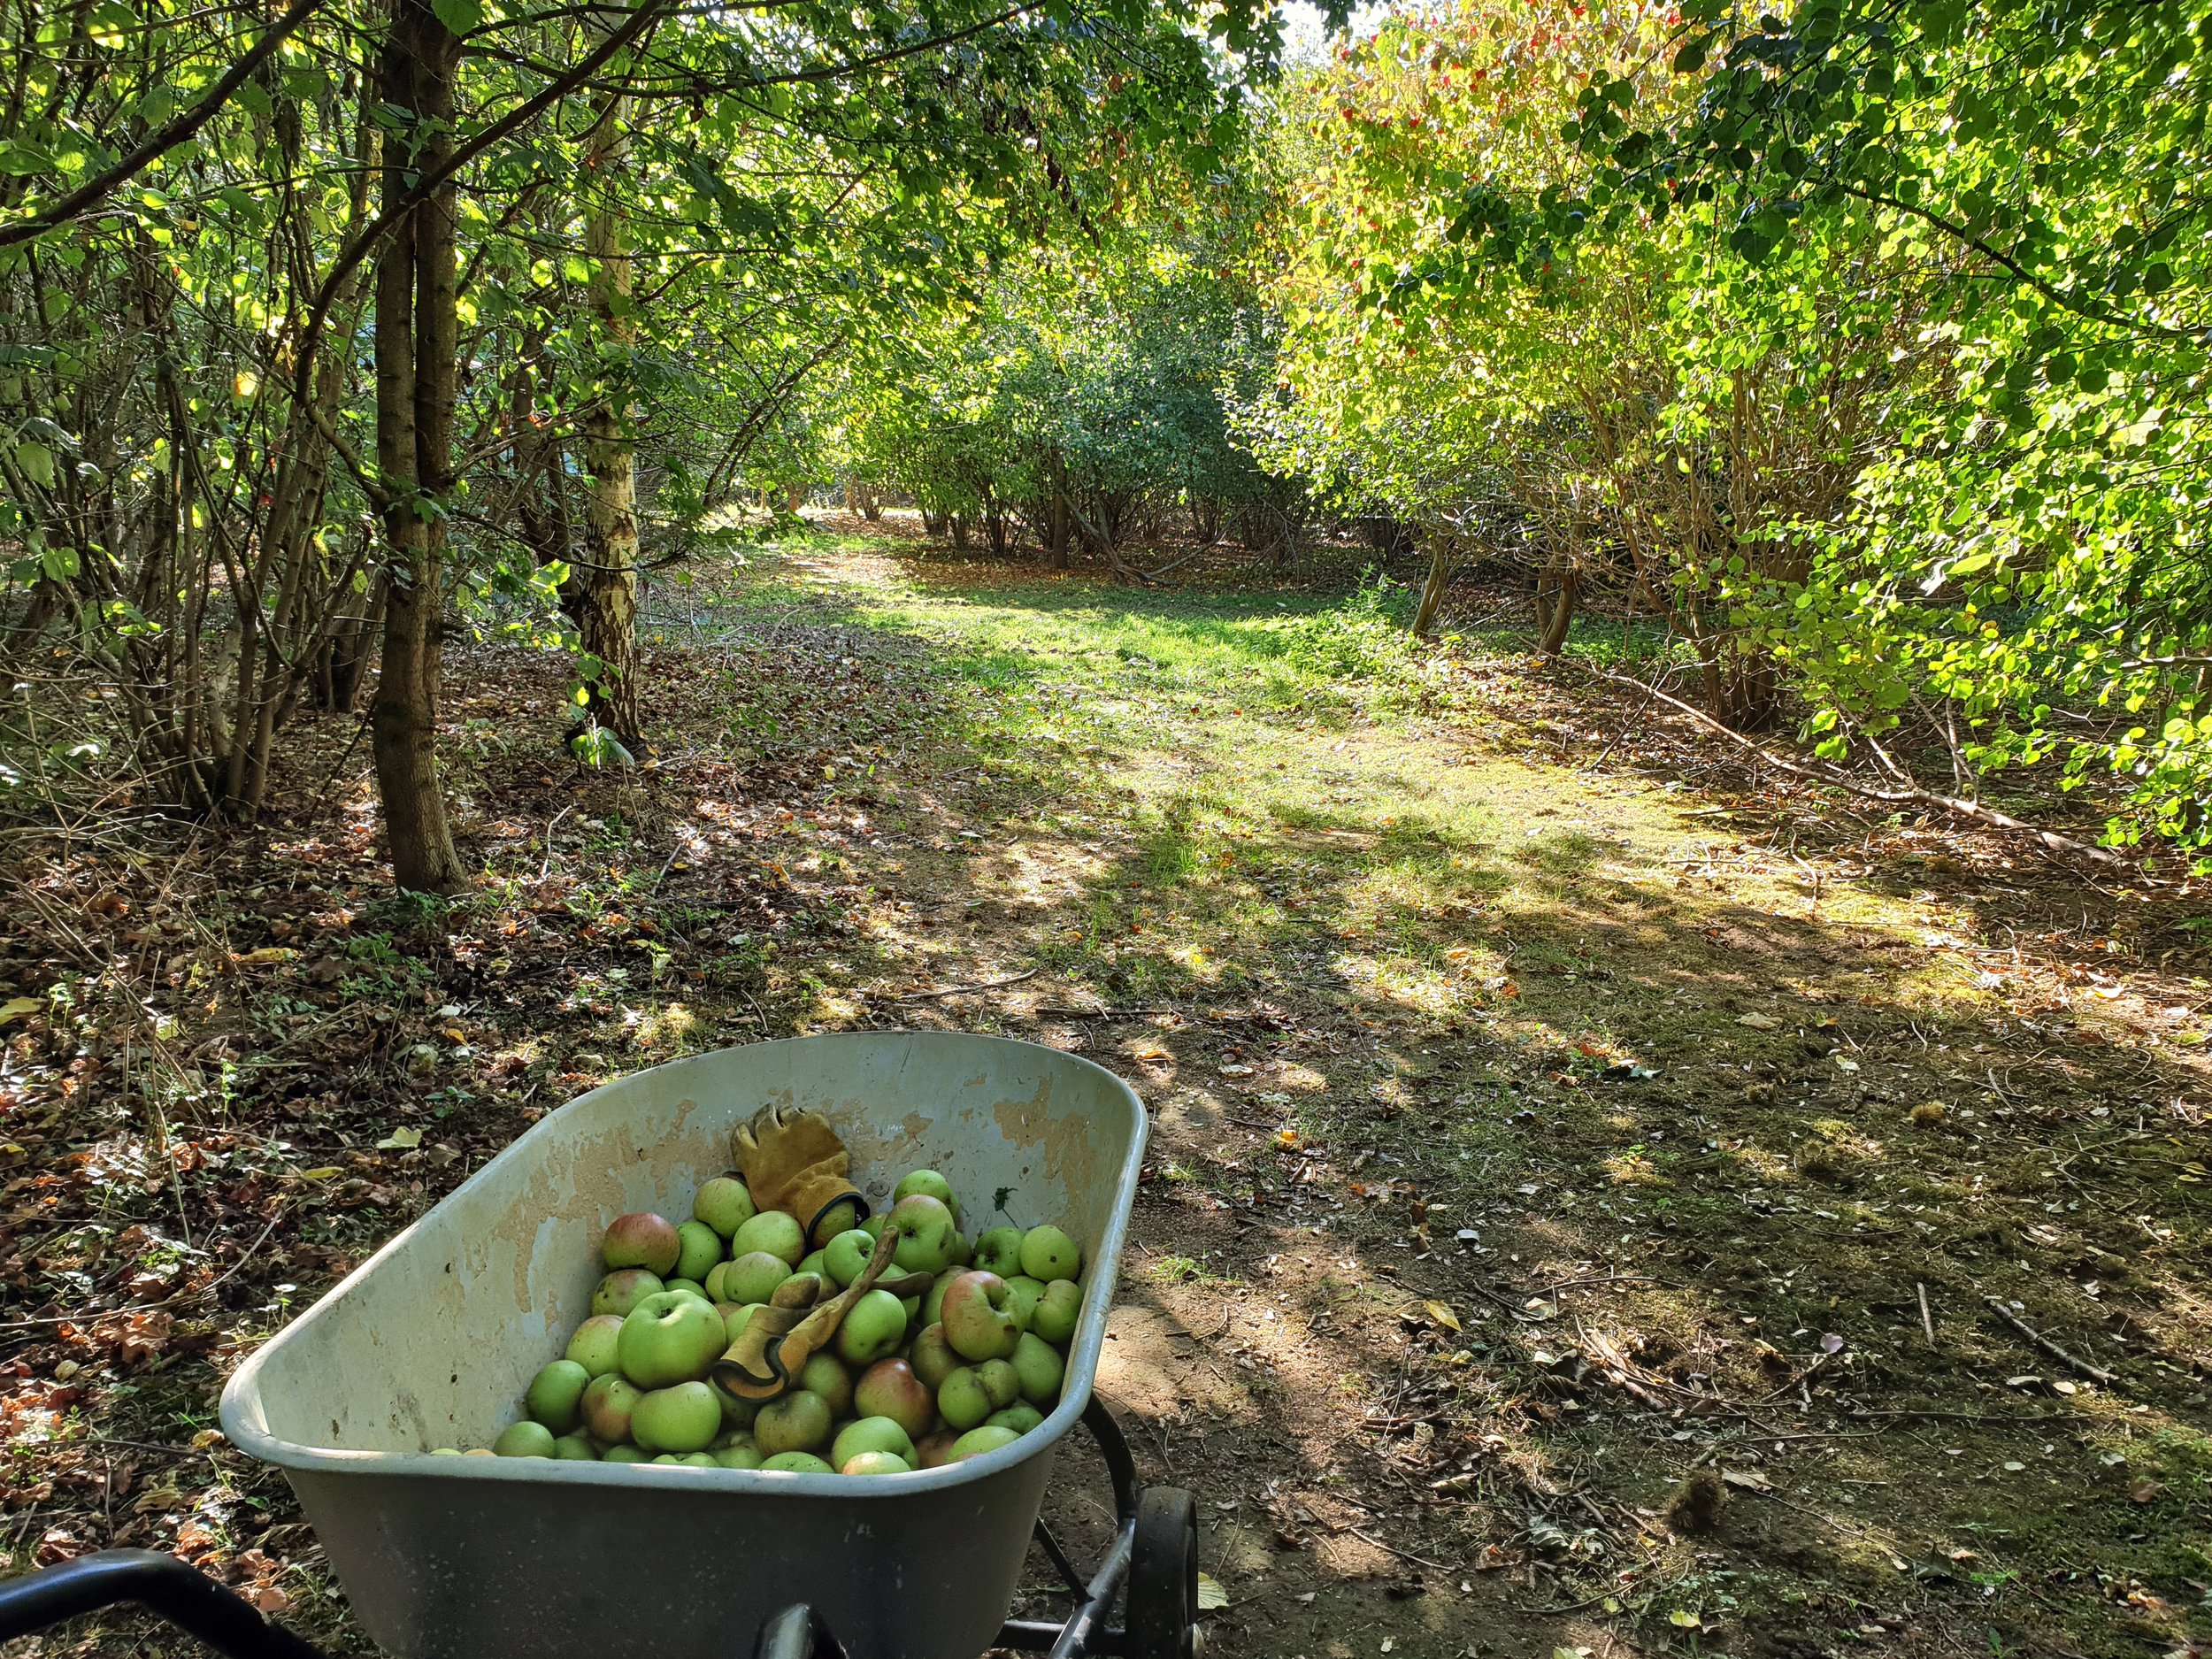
(793, 1161)
(763, 1363)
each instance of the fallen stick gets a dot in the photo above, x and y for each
(963, 990)
(2095, 1373)
(1926, 1323)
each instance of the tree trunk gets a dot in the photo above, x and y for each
(1556, 592)
(416, 376)
(994, 531)
(959, 525)
(1432, 591)
(604, 602)
(1057, 516)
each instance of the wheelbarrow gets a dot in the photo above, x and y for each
(431, 1341)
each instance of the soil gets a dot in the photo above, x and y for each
(1596, 1202)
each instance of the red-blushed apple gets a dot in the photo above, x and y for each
(699, 1248)
(623, 1289)
(925, 1230)
(669, 1338)
(1000, 1382)
(575, 1449)
(594, 1344)
(1023, 1294)
(683, 1418)
(1038, 1369)
(845, 1256)
(773, 1232)
(964, 1401)
(624, 1455)
(607, 1405)
(754, 1276)
(1021, 1419)
(975, 1317)
(1058, 1310)
(975, 1442)
(933, 1359)
(870, 1434)
(874, 1326)
(525, 1438)
(999, 1250)
(822, 1374)
(875, 1464)
(890, 1388)
(554, 1394)
(641, 1238)
(929, 1182)
(1048, 1254)
(796, 1463)
(723, 1204)
(932, 1450)
(799, 1422)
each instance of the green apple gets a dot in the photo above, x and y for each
(999, 1250)
(933, 1308)
(840, 1216)
(554, 1394)
(699, 1248)
(1001, 1381)
(624, 1455)
(962, 1400)
(1021, 1419)
(975, 1442)
(811, 1263)
(525, 1438)
(723, 1204)
(445, 1451)
(737, 1411)
(875, 1464)
(1023, 1294)
(823, 1375)
(874, 1326)
(623, 1289)
(754, 1276)
(593, 1346)
(933, 1359)
(607, 1405)
(746, 1455)
(873, 1225)
(870, 1434)
(773, 1232)
(925, 1230)
(962, 1252)
(846, 1256)
(479, 1451)
(1058, 1310)
(716, 1291)
(797, 1464)
(690, 1288)
(1038, 1369)
(734, 1319)
(799, 1422)
(932, 1450)
(975, 1319)
(696, 1460)
(889, 1388)
(930, 1182)
(641, 1238)
(575, 1449)
(671, 1338)
(683, 1418)
(1048, 1254)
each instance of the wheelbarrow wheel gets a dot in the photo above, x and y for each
(1163, 1576)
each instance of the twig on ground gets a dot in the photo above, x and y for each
(1403, 1554)
(2096, 1373)
(962, 990)
(1926, 1322)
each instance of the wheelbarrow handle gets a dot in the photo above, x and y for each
(183, 1596)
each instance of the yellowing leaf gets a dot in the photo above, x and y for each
(265, 956)
(1211, 1596)
(321, 1174)
(19, 1008)
(1442, 1314)
(1684, 1618)
(1758, 1022)
(401, 1139)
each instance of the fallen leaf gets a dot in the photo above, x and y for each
(1757, 1022)
(1749, 1480)
(321, 1174)
(2147, 1491)
(1442, 1314)
(1683, 1619)
(268, 956)
(19, 1008)
(401, 1139)
(1211, 1596)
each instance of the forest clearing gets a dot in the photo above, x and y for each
(1530, 1135)
(1159, 827)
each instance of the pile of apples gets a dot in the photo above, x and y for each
(904, 1385)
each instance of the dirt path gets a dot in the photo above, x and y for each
(1548, 1165)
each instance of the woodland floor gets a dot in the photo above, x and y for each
(1541, 1114)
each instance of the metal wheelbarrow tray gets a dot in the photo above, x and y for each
(431, 1341)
